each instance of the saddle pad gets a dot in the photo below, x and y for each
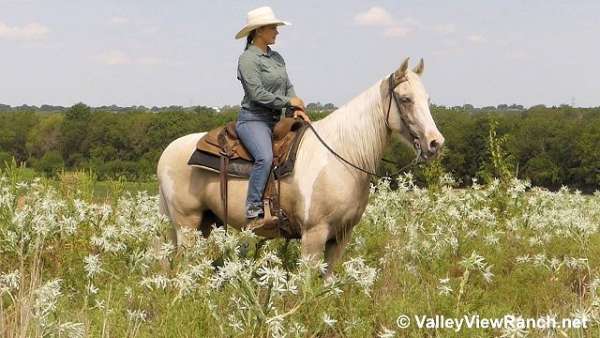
(237, 167)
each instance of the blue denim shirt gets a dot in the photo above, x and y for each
(267, 89)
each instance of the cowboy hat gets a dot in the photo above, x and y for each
(260, 17)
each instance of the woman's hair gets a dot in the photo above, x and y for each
(249, 38)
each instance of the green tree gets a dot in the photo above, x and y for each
(74, 131)
(45, 136)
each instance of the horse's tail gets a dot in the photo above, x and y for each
(163, 209)
(162, 203)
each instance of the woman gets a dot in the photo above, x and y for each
(267, 90)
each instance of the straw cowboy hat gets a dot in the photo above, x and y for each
(260, 17)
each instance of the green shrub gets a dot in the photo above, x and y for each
(50, 163)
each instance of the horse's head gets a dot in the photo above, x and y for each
(406, 109)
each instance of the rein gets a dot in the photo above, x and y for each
(393, 96)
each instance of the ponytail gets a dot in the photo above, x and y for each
(249, 38)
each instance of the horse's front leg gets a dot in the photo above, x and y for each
(320, 241)
(313, 242)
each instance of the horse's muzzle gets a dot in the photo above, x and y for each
(433, 146)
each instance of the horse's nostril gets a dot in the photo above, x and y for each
(433, 145)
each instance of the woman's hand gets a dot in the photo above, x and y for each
(298, 107)
(297, 102)
(302, 114)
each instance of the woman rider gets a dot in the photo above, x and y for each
(267, 90)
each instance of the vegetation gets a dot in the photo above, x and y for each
(77, 262)
(550, 146)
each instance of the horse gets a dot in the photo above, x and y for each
(325, 196)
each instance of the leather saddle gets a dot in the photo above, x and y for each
(221, 151)
(224, 140)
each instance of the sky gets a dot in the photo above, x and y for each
(183, 52)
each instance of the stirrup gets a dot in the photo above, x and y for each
(268, 218)
(267, 208)
(258, 223)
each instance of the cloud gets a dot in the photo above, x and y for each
(379, 17)
(450, 43)
(397, 31)
(28, 32)
(119, 20)
(114, 57)
(375, 16)
(150, 29)
(132, 24)
(150, 61)
(447, 51)
(476, 38)
(117, 57)
(518, 55)
(445, 29)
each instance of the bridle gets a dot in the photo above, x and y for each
(394, 96)
(416, 145)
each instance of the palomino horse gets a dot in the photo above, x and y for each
(324, 195)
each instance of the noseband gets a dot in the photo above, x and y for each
(394, 96)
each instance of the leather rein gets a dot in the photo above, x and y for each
(394, 97)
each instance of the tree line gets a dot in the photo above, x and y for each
(551, 146)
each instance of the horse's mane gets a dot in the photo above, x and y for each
(357, 129)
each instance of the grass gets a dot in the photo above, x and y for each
(80, 257)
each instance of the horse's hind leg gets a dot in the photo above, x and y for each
(190, 222)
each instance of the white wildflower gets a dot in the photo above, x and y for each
(513, 329)
(328, 320)
(137, 315)
(359, 271)
(156, 282)
(92, 265)
(386, 333)
(9, 281)
(444, 288)
(276, 326)
(487, 274)
(45, 301)
(71, 330)
(91, 289)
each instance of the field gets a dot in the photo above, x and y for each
(83, 258)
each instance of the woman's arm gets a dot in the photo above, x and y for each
(289, 90)
(248, 74)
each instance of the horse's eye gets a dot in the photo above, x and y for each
(405, 99)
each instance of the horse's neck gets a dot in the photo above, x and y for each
(357, 130)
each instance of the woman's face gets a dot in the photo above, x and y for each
(267, 33)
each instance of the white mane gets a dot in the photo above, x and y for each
(357, 130)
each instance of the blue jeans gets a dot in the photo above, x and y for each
(256, 135)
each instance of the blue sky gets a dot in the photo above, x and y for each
(183, 52)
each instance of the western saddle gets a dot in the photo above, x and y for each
(221, 151)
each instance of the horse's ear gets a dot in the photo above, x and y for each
(400, 73)
(419, 68)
